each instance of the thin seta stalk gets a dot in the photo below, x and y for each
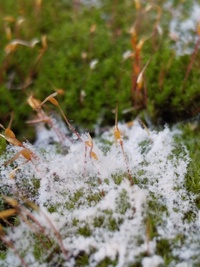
(118, 138)
(51, 98)
(193, 57)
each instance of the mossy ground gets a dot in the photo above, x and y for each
(73, 42)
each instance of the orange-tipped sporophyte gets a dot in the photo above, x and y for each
(89, 144)
(25, 152)
(33, 68)
(51, 98)
(119, 140)
(12, 45)
(60, 91)
(38, 6)
(9, 135)
(157, 30)
(144, 126)
(138, 90)
(7, 213)
(12, 26)
(137, 4)
(140, 78)
(35, 104)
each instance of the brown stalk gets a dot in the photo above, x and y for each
(9, 244)
(58, 236)
(118, 138)
(34, 228)
(43, 117)
(148, 231)
(51, 99)
(193, 57)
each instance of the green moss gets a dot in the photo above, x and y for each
(2, 254)
(75, 222)
(99, 221)
(172, 100)
(94, 198)
(122, 202)
(45, 249)
(106, 181)
(107, 262)
(155, 214)
(2, 146)
(82, 259)
(52, 209)
(189, 216)
(14, 220)
(64, 65)
(136, 264)
(145, 146)
(75, 200)
(37, 252)
(118, 178)
(84, 231)
(30, 186)
(191, 139)
(163, 248)
(113, 224)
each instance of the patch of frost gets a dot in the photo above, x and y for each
(85, 195)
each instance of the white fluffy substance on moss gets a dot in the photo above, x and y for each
(183, 30)
(90, 210)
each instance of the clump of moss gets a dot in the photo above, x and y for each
(77, 35)
(191, 139)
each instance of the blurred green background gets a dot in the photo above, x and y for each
(95, 52)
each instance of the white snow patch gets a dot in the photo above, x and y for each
(92, 204)
(184, 30)
(153, 261)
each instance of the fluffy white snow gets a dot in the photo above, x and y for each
(184, 30)
(95, 196)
